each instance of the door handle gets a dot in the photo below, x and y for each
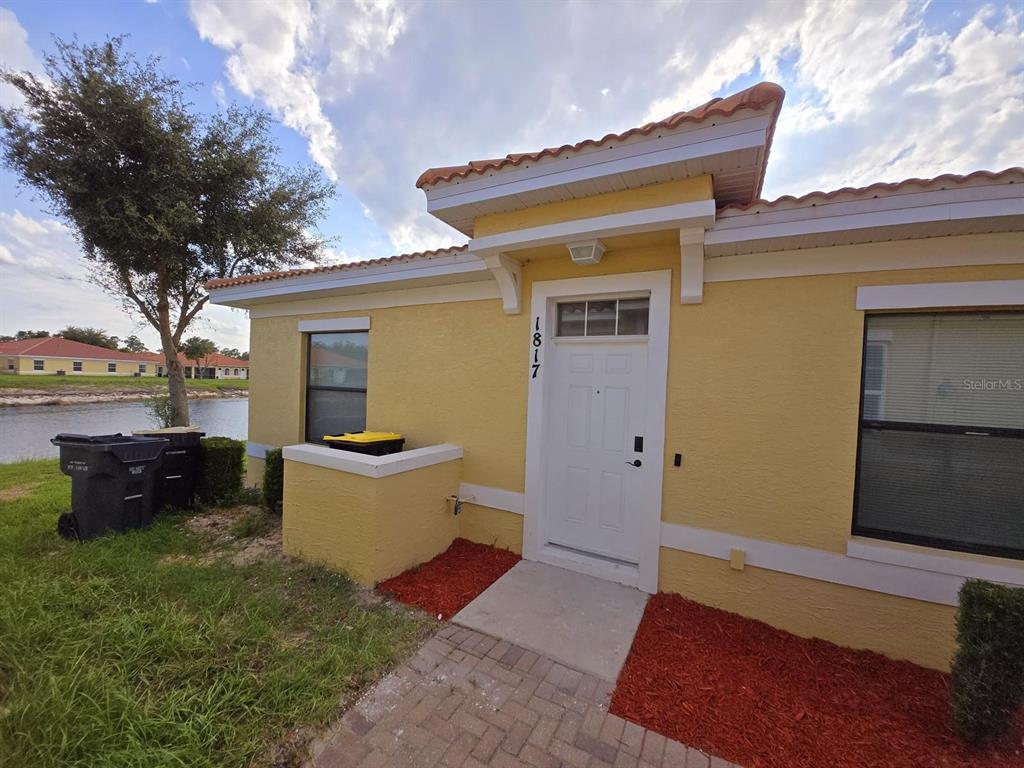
(635, 463)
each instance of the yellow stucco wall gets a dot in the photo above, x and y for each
(368, 528)
(89, 367)
(651, 196)
(494, 527)
(898, 627)
(762, 403)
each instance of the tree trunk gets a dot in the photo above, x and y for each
(175, 375)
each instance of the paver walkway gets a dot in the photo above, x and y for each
(468, 700)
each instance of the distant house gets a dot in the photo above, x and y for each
(55, 355)
(213, 366)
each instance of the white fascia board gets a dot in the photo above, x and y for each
(463, 263)
(977, 293)
(726, 232)
(700, 213)
(477, 290)
(371, 466)
(675, 147)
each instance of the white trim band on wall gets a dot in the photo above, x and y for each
(335, 324)
(980, 293)
(903, 579)
(258, 450)
(495, 498)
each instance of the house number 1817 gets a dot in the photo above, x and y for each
(537, 341)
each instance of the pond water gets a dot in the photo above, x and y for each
(25, 431)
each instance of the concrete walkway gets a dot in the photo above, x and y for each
(469, 700)
(584, 622)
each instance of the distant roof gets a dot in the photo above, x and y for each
(57, 346)
(758, 96)
(213, 360)
(264, 276)
(1013, 175)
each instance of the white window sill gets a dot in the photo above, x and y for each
(998, 569)
(371, 466)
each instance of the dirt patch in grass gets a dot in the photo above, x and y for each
(764, 698)
(16, 492)
(448, 583)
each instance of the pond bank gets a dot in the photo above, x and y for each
(75, 396)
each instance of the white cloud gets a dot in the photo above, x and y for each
(15, 54)
(267, 44)
(383, 90)
(44, 284)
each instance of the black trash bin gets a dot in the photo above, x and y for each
(113, 482)
(183, 463)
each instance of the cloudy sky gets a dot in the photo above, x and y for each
(373, 92)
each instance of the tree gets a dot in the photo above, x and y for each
(161, 198)
(197, 348)
(232, 352)
(133, 344)
(95, 336)
(22, 335)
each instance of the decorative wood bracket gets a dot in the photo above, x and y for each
(691, 265)
(509, 274)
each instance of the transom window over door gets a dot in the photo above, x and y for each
(336, 384)
(604, 317)
(941, 455)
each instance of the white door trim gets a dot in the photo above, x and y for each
(659, 284)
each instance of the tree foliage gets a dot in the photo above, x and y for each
(233, 352)
(95, 336)
(196, 348)
(133, 344)
(161, 198)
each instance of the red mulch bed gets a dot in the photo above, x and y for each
(765, 698)
(449, 582)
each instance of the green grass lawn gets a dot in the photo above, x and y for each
(14, 381)
(151, 649)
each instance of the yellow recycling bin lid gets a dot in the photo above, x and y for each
(364, 437)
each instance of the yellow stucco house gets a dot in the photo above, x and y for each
(54, 355)
(809, 411)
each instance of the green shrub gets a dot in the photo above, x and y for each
(273, 480)
(988, 669)
(223, 465)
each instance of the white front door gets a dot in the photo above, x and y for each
(598, 472)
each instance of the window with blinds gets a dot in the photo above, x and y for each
(941, 455)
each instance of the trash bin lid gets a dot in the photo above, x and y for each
(363, 437)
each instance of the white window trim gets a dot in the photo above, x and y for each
(79, 368)
(341, 324)
(980, 293)
(372, 466)
(967, 565)
(42, 364)
(926, 577)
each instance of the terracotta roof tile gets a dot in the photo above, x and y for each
(266, 276)
(760, 96)
(1009, 176)
(57, 346)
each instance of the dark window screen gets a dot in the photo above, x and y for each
(336, 384)
(941, 454)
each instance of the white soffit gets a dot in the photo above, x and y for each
(731, 150)
(932, 213)
(460, 267)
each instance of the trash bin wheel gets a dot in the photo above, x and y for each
(67, 526)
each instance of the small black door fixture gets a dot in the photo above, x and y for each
(635, 463)
(638, 443)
